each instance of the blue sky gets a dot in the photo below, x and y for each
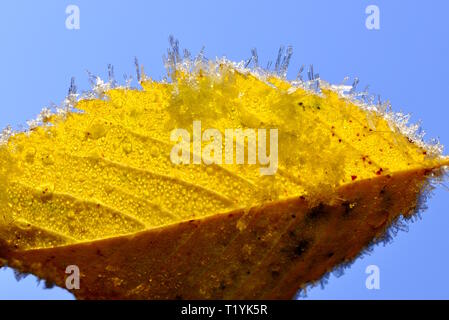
(405, 61)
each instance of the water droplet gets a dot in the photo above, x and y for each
(127, 147)
(48, 160)
(154, 151)
(96, 130)
(29, 154)
(71, 214)
(45, 191)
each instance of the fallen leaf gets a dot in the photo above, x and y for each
(94, 186)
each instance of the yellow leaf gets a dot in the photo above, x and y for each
(96, 186)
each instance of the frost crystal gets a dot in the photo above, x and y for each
(173, 62)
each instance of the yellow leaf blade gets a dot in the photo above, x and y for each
(96, 187)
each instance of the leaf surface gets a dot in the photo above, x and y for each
(95, 187)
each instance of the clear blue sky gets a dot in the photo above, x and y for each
(406, 61)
